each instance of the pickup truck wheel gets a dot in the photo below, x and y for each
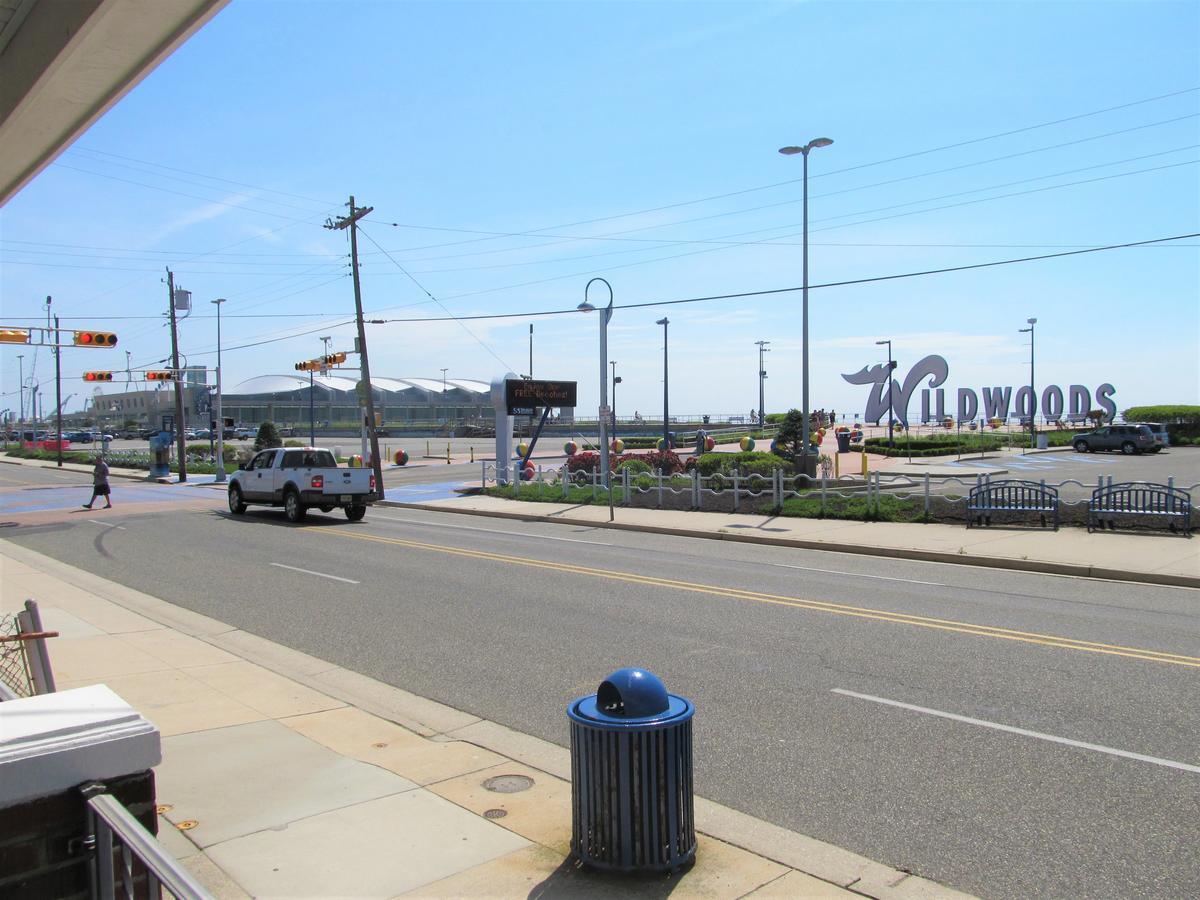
(237, 505)
(292, 507)
(355, 513)
(1128, 448)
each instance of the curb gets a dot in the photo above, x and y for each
(1019, 565)
(431, 719)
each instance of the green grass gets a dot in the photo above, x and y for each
(887, 509)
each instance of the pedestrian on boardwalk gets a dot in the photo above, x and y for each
(100, 486)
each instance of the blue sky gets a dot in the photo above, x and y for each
(512, 151)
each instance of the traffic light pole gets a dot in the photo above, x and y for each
(179, 437)
(58, 385)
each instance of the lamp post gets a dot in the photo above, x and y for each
(21, 367)
(792, 151)
(220, 419)
(1032, 395)
(891, 415)
(762, 374)
(616, 379)
(605, 315)
(664, 322)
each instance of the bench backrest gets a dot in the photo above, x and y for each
(1136, 497)
(1013, 494)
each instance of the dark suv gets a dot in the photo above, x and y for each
(1129, 439)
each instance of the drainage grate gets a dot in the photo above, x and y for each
(495, 813)
(508, 784)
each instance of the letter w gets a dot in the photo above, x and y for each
(992, 400)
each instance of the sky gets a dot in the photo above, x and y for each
(513, 151)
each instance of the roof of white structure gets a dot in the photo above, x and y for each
(283, 384)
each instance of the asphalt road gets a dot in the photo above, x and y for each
(1008, 734)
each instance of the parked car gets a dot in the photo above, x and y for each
(1129, 439)
(245, 434)
(1161, 438)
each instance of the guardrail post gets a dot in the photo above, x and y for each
(695, 488)
(926, 495)
(736, 496)
(822, 493)
(775, 500)
(625, 486)
(660, 488)
(595, 482)
(483, 474)
(40, 671)
(565, 478)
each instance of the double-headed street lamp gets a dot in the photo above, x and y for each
(762, 374)
(1032, 395)
(605, 315)
(220, 461)
(891, 414)
(809, 469)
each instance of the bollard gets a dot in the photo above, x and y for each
(632, 806)
(472, 454)
(837, 465)
(428, 452)
(865, 466)
(447, 453)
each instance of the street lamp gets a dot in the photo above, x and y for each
(792, 151)
(21, 366)
(891, 365)
(220, 419)
(1032, 395)
(664, 322)
(762, 374)
(605, 315)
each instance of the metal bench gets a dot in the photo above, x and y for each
(1134, 499)
(1011, 496)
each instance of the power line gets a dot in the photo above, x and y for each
(880, 162)
(830, 284)
(436, 300)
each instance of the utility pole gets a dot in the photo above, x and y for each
(21, 366)
(762, 374)
(351, 222)
(531, 350)
(179, 438)
(57, 384)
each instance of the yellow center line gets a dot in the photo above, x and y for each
(1028, 637)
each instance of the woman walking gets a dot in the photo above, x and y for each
(100, 486)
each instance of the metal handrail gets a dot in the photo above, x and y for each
(108, 816)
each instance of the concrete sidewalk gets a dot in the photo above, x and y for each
(1152, 558)
(285, 775)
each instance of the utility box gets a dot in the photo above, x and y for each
(632, 802)
(160, 455)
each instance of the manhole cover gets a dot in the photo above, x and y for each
(508, 784)
(495, 813)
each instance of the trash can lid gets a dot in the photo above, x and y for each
(630, 697)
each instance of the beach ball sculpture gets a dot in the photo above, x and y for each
(401, 457)
(746, 443)
(709, 443)
(618, 446)
(660, 444)
(522, 449)
(528, 472)
(355, 462)
(570, 448)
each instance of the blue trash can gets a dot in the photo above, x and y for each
(632, 806)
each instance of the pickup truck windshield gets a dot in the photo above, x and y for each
(308, 459)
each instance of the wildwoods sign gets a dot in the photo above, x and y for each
(988, 402)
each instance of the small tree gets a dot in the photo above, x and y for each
(791, 433)
(1097, 416)
(268, 436)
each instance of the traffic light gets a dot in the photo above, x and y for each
(160, 376)
(334, 359)
(14, 335)
(95, 339)
(310, 365)
(97, 376)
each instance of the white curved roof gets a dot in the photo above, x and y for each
(282, 384)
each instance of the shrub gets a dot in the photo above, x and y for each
(666, 460)
(586, 461)
(753, 462)
(1173, 413)
(268, 436)
(292, 442)
(633, 466)
(776, 418)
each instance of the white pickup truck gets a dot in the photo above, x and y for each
(297, 478)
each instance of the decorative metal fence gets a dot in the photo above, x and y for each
(947, 496)
(24, 663)
(127, 860)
